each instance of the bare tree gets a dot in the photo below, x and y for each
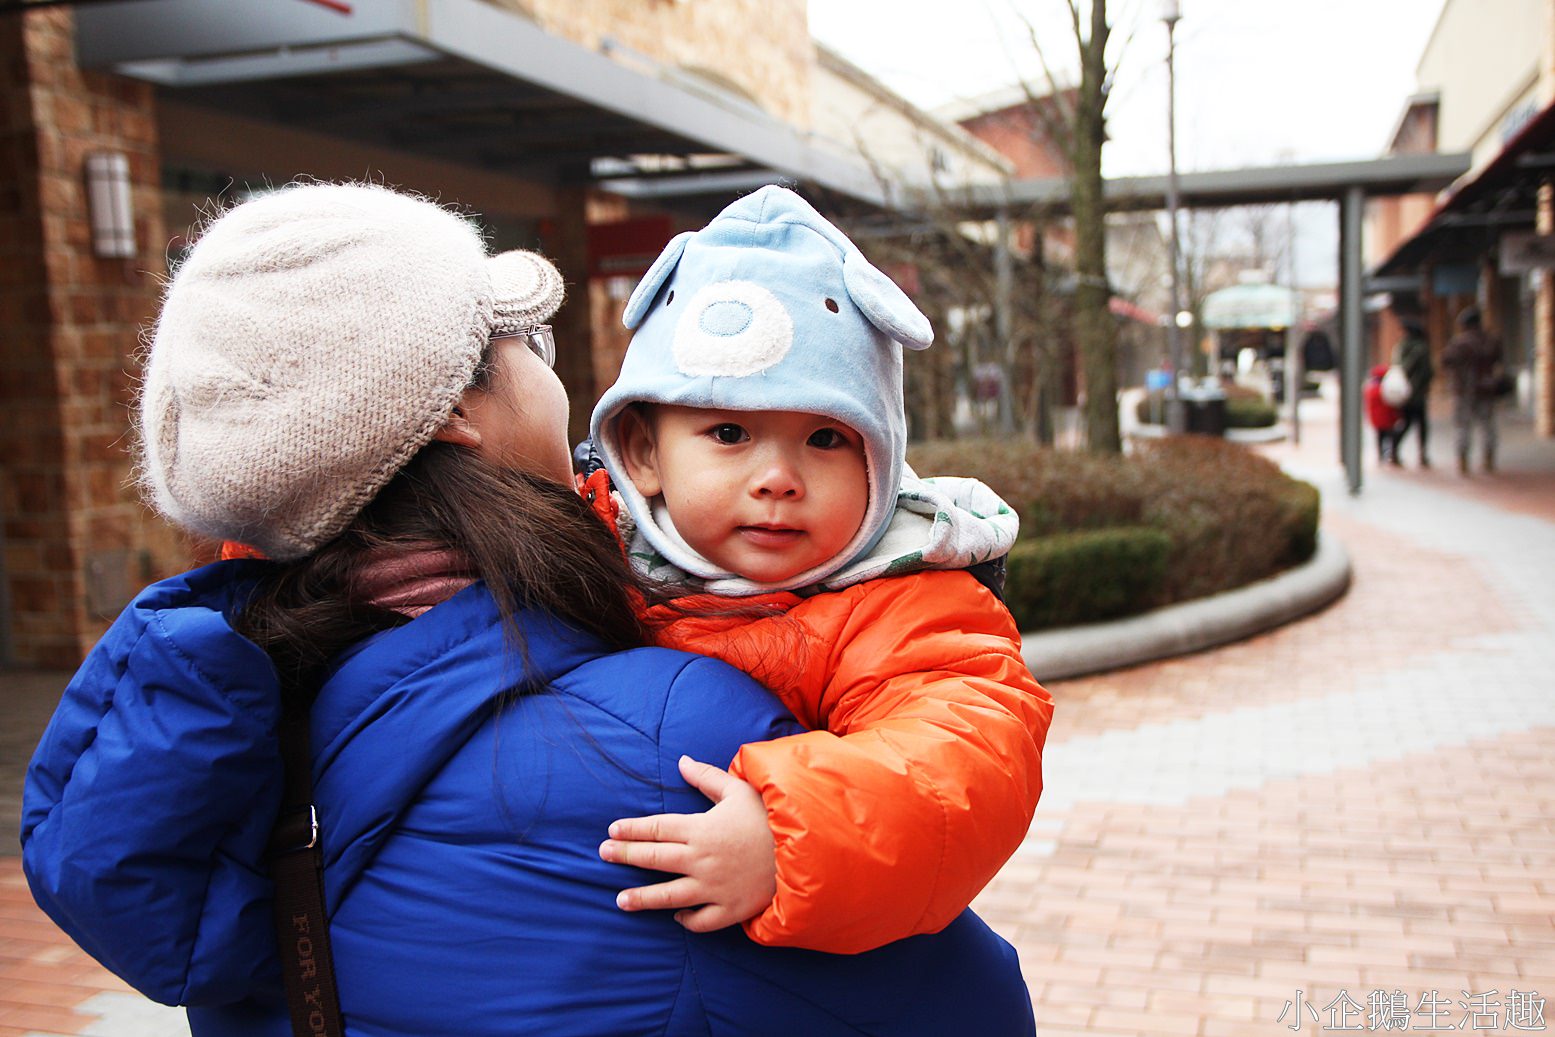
(1267, 228)
(1081, 124)
(996, 350)
(1096, 331)
(998, 314)
(1024, 330)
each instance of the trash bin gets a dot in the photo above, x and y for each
(1205, 411)
(1277, 379)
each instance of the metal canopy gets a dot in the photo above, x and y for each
(461, 80)
(468, 81)
(1349, 183)
(1400, 174)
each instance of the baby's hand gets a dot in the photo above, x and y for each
(725, 857)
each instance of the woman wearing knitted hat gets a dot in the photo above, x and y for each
(342, 377)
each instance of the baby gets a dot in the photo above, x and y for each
(756, 438)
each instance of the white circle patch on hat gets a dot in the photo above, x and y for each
(732, 329)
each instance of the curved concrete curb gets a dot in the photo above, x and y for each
(1271, 434)
(1259, 436)
(1193, 625)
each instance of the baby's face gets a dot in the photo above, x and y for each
(766, 495)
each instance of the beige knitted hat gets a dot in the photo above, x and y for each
(314, 339)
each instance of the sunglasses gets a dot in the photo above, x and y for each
(539, 340)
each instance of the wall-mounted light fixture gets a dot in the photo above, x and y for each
(108, 205)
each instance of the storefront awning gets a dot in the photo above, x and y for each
(1251, 306)
(460, 80)
(1476, 212)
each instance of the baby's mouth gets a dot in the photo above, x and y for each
(770, 536)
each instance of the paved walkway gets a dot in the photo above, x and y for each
(1350, 821)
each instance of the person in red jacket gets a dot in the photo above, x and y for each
(754, 463)
(1385, 419)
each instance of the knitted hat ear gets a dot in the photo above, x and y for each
(526, 289)
(642, 296)
(886, 305)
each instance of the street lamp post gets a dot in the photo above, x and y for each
(1175, 414)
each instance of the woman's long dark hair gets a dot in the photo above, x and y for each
(534, 543)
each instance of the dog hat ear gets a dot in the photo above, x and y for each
(886, 305)
(642, 296)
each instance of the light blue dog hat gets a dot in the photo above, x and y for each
(769, 307)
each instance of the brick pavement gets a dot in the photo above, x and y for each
(1359, 802)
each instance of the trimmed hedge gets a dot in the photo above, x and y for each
(1054, 491)
(1245, 408)
(1233, 516)
(1084, 577)
(1229, 516)
(1254, 413)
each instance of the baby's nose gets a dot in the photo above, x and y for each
(778, 478)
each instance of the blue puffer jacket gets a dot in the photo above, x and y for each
(461, 827)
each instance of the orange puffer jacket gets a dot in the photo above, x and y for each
(924, 763)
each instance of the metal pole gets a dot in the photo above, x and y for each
(1352, 207)
(1175, 415)
(1004, 291)
(1295, 369)
(1295, 378)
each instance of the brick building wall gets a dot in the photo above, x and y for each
(761, 48)
(77, 542)
(1022, 131)
(1022, 134)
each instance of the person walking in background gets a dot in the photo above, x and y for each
(1383, 417)
(1414, 356)
(1473, 359)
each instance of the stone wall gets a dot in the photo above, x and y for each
(759, 48)
(77, 542)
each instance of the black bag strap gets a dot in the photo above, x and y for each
(297, 865)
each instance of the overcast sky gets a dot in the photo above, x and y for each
(1258, 81)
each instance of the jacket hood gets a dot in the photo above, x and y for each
(769, 307)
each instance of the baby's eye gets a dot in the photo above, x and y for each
(827, 439)
(727, 433)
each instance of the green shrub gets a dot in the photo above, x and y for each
(1086, 576)
(1236, 391)
(1230, 516)
(1256, 412)
(1245, 408)
(1054, 491)
(1233, 516)
(1302, 508)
